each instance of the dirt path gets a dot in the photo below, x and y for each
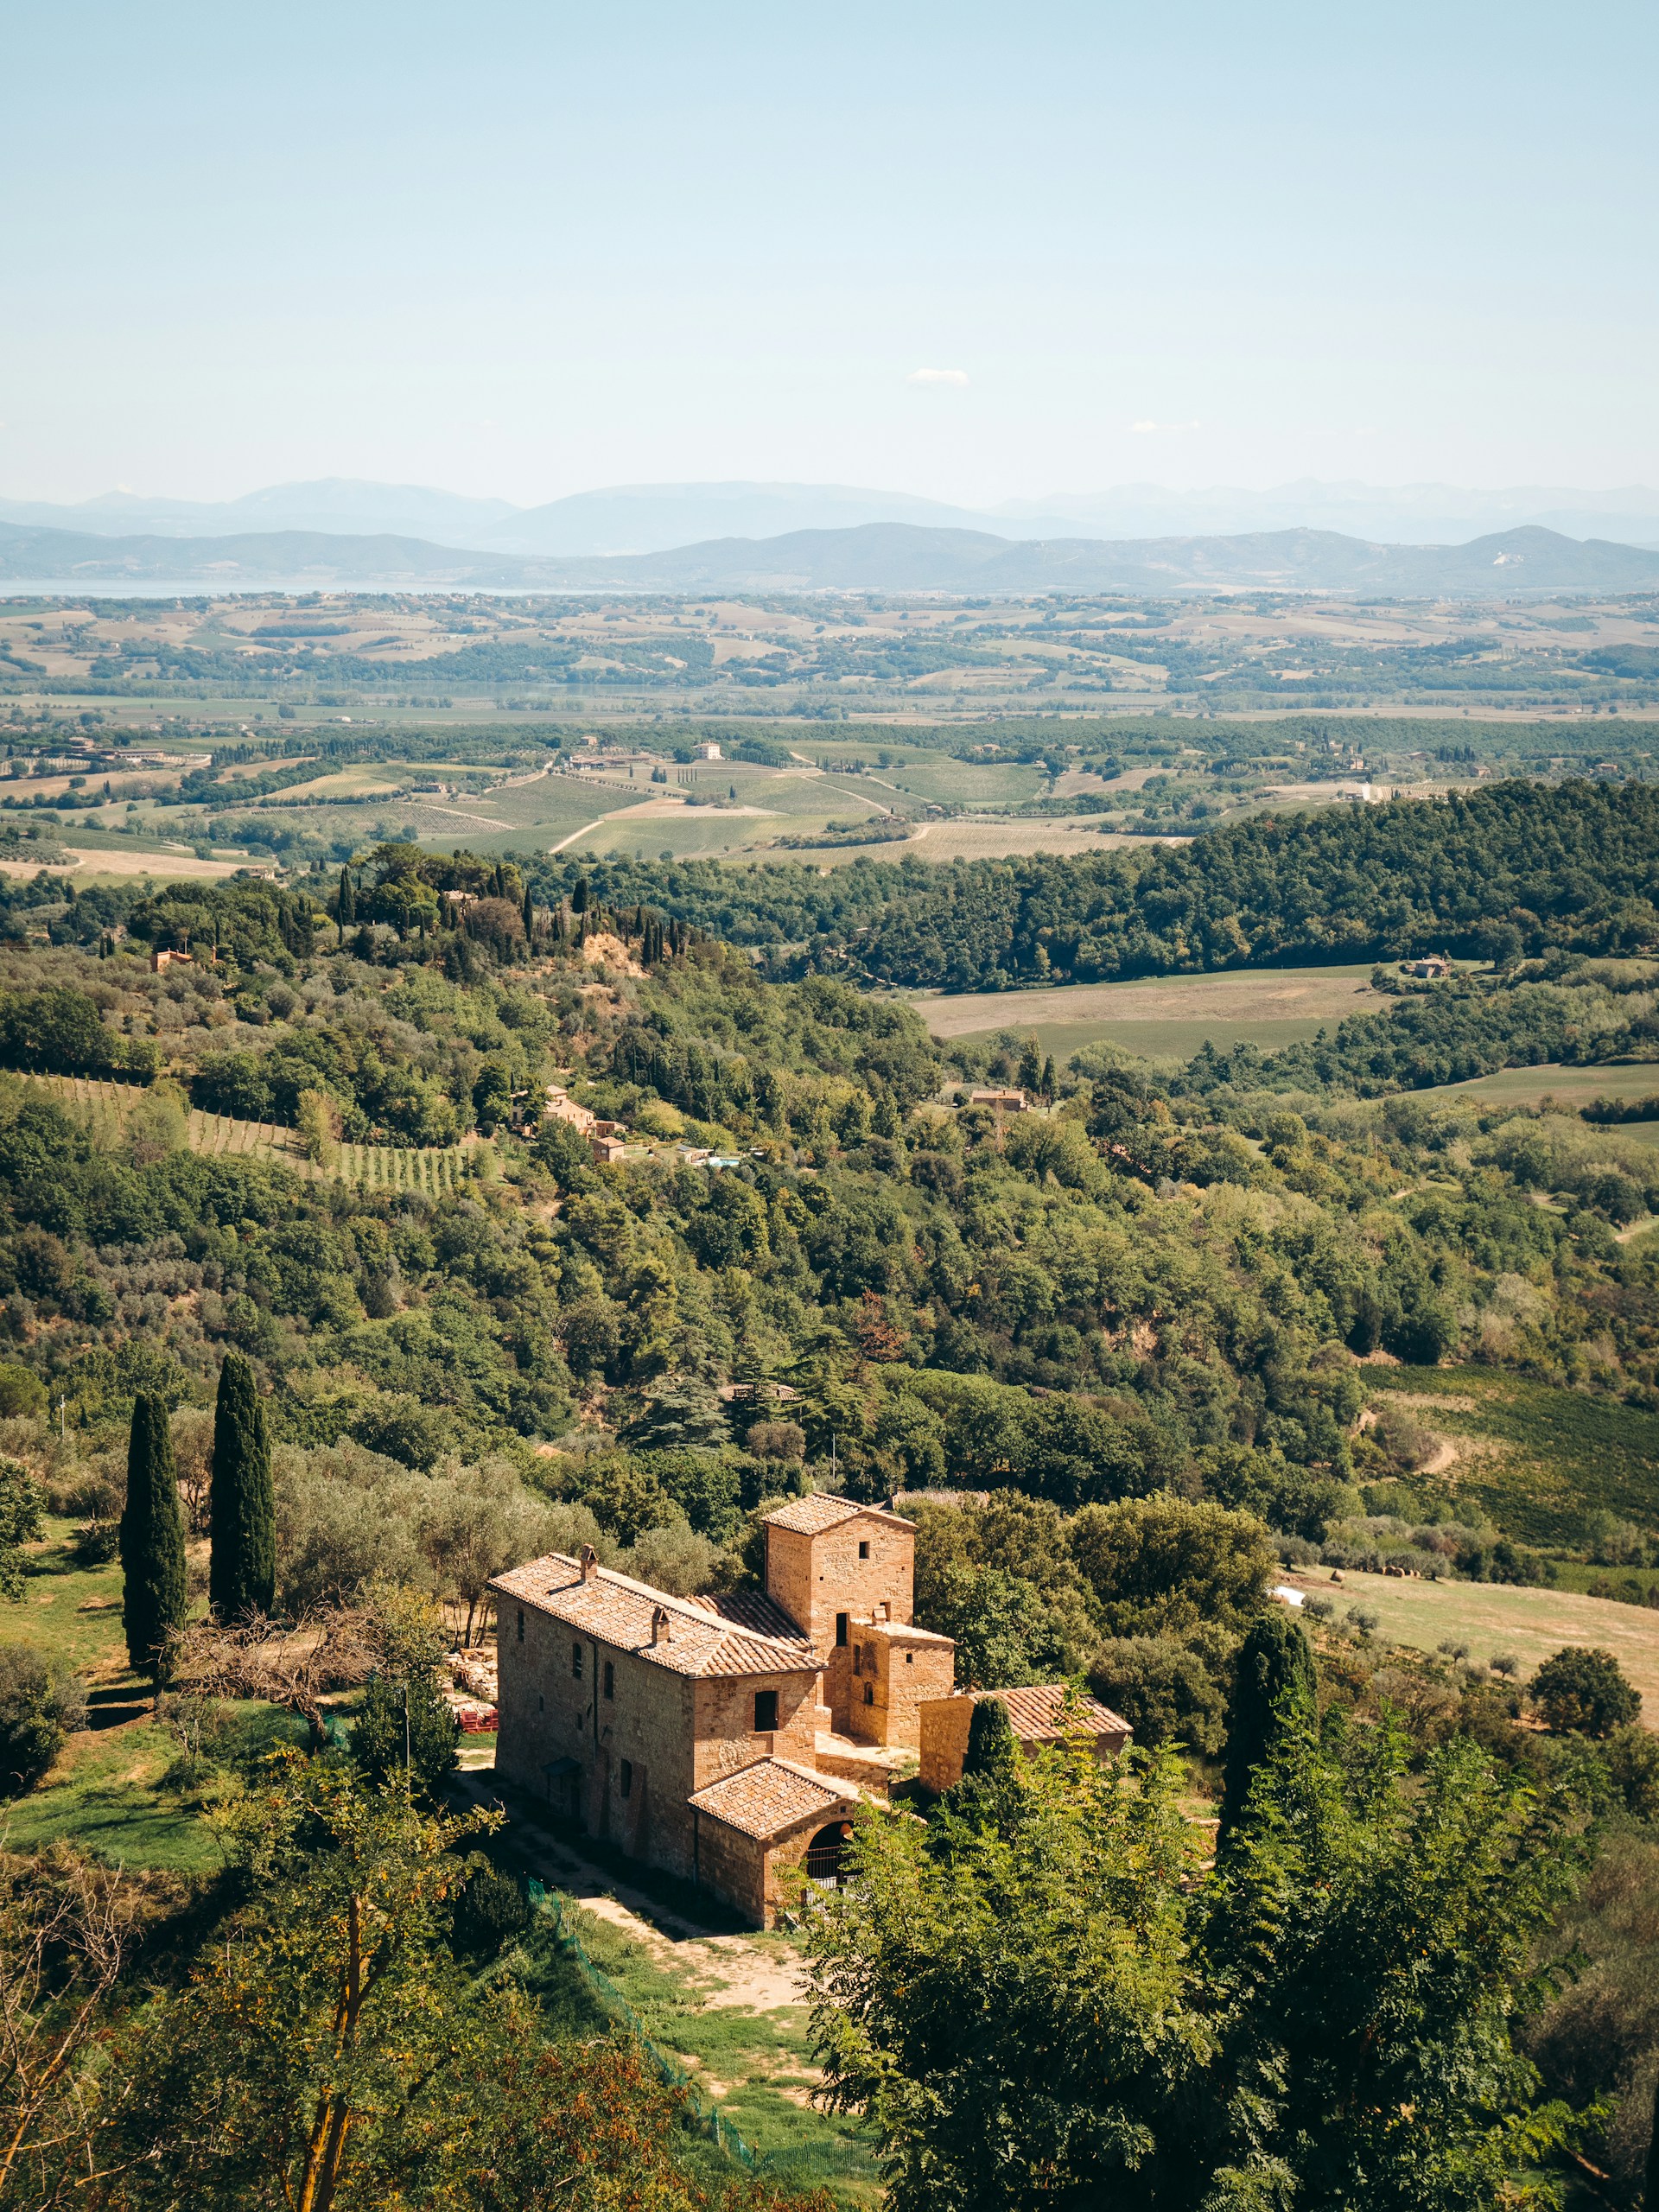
(743, 1973)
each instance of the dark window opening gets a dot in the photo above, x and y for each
(541, 1702)
(575, 1660)
(765, 1711)
(521, 1628)
(869, 1693)
(909, 1661)
(864, 1551)
(841, 1628)
(610, 1679)
(627, 1777)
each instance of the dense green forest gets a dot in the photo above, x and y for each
(1120, 1356)
(1570, 866)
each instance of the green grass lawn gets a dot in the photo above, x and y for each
(755, 2063)
(1155, 1040)
(1572, 1087)
(102, 1794)
(1492, 1617)
(1550, 1456)
(71, 1610)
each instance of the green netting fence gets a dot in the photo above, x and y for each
(702, 2111)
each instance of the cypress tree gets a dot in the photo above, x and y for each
(242, 1575)
(152, 1538)
(579, 896)
(345, 912)
(530, 917)
(993, 1746)
(1272, 1694)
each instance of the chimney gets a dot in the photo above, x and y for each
(662, 1628)
(589, 1562)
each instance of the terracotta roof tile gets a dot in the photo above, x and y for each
(1036, 1718)
(811, 1516)
(702, 1637)
(771, 1796)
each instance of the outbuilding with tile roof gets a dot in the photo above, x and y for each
(1049, 1713)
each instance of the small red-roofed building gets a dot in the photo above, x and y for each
(1049, 1713)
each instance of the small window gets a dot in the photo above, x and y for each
(627, 1777)
(864, 1550)
(521, 1628)
(575, 1660)
(765, 1711)
(541, 1702)
(869, 1693)
(610, 1679)
(840, 1627)
(909, 1660)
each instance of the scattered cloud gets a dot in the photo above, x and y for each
(958, 377)
(1150, 428)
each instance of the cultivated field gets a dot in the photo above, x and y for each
(1534, 1459)
(1492, 1617)
(1170, 1017)
(1569, 1087)
(89, 863)
(376, 1167)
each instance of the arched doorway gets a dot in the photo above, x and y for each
(825, 1855)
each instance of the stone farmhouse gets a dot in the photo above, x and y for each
(729, 1739)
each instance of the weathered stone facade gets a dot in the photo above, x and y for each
(729, 1739)
(623, 1707)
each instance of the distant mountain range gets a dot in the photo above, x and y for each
(661, 518)
(868, 557)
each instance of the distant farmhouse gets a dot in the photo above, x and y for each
(730, 1740)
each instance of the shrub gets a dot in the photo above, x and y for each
(490, 1910)
(1584, 1691)
(41, 1702)
(22, 1502)
(1167, 1689)
(424, 1732)
(1160, 1563)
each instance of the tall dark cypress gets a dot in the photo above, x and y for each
(346, 909)
(1272, 1693)
(243, 1576)
(155, 1597)
(530, 917)
(993, 1747)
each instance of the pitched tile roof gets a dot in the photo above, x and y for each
(771, 1796)
(811, 1516)
(1036, 1715)
(703, 1637)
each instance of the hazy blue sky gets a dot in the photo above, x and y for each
(529, 249)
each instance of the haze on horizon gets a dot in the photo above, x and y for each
(967, 257)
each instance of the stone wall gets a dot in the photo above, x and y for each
(815, 1578)
(727, 1737)
(644, 1737)
(733, 1866)
(945, 1722)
